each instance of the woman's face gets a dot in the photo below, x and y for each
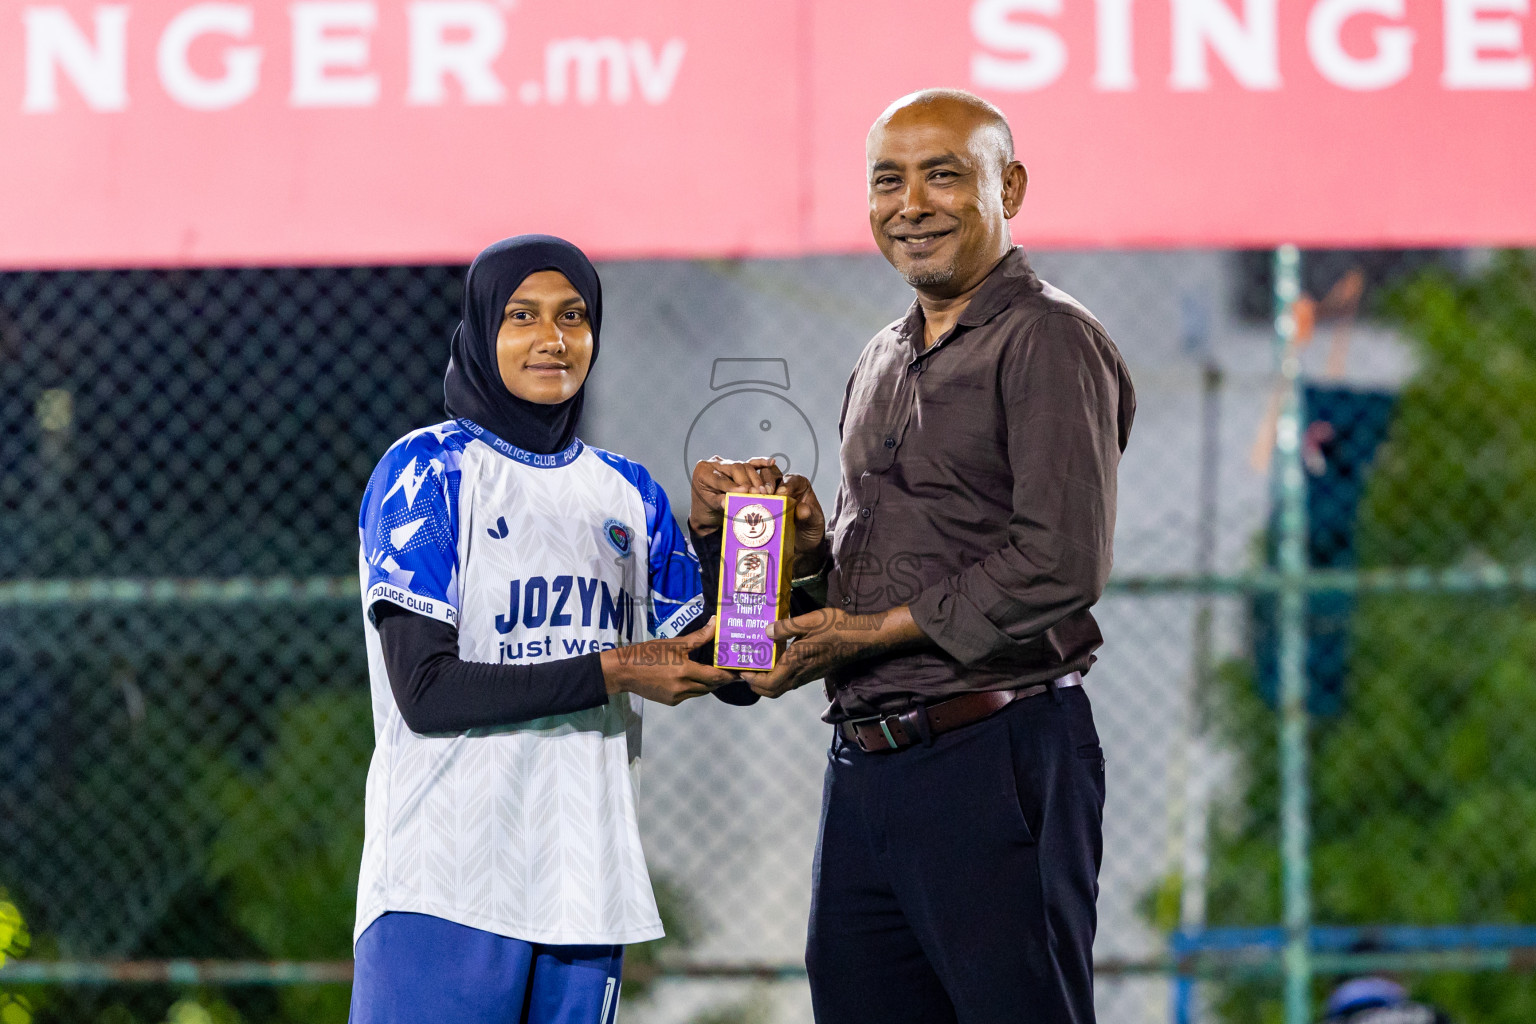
(544, 346)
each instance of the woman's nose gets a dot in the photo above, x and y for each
(551, 338)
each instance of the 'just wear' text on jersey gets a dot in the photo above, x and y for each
(527, 830)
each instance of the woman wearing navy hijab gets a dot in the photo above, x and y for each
(507, 568)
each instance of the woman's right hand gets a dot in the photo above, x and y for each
(660, 670)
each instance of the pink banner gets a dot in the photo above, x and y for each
(169, 132)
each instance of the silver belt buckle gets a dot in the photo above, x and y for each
(885, 730)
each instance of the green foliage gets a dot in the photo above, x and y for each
(643, 960)
(1456, 480)
(755, 1009)
(15, 940)
(268, 851)
(288, 848)
(1425, 787)
(292, 835)
(1244, 873)
(287, 852)
(128, 784)
(194, 1011)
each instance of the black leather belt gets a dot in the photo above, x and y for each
(885, 733)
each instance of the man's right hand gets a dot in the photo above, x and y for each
(659, 670)
(715, 477)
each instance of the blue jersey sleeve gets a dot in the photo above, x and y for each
(677, 589)
(409, 528)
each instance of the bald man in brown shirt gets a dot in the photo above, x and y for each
(957, 867)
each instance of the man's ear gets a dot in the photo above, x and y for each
(1015, 183)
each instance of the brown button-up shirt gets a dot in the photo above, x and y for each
(978, 486)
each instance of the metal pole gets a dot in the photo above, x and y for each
(1292, 564)
(1193, 860)
(1192, 911)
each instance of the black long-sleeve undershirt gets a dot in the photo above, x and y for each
(438, 693)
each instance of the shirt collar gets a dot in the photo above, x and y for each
(554, 460)
(996, 293)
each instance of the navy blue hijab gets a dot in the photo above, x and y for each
(473, 388)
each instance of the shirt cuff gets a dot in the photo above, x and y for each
(590, 686)
(960, 629)
(411, 601)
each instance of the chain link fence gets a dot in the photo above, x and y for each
(184, 719)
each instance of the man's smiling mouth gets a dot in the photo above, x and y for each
(920, 243)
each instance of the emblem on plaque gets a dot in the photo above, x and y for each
(751, 573)
(753, 525)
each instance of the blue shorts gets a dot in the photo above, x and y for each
(413, 968)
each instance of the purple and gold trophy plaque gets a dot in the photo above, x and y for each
(756, 563)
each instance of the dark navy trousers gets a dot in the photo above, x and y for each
(957, 882)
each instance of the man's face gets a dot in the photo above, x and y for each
(940, 196)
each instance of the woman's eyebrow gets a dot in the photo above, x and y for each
(570, 303)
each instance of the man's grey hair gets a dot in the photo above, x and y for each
(993, 118)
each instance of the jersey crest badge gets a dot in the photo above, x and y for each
(620, 537)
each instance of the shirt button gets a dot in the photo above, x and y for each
(847, 600)
(864, 512)
(890, 442)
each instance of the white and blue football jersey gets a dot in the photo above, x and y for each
(526, 830)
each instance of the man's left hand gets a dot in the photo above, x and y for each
(811, 552)
(829, 638)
